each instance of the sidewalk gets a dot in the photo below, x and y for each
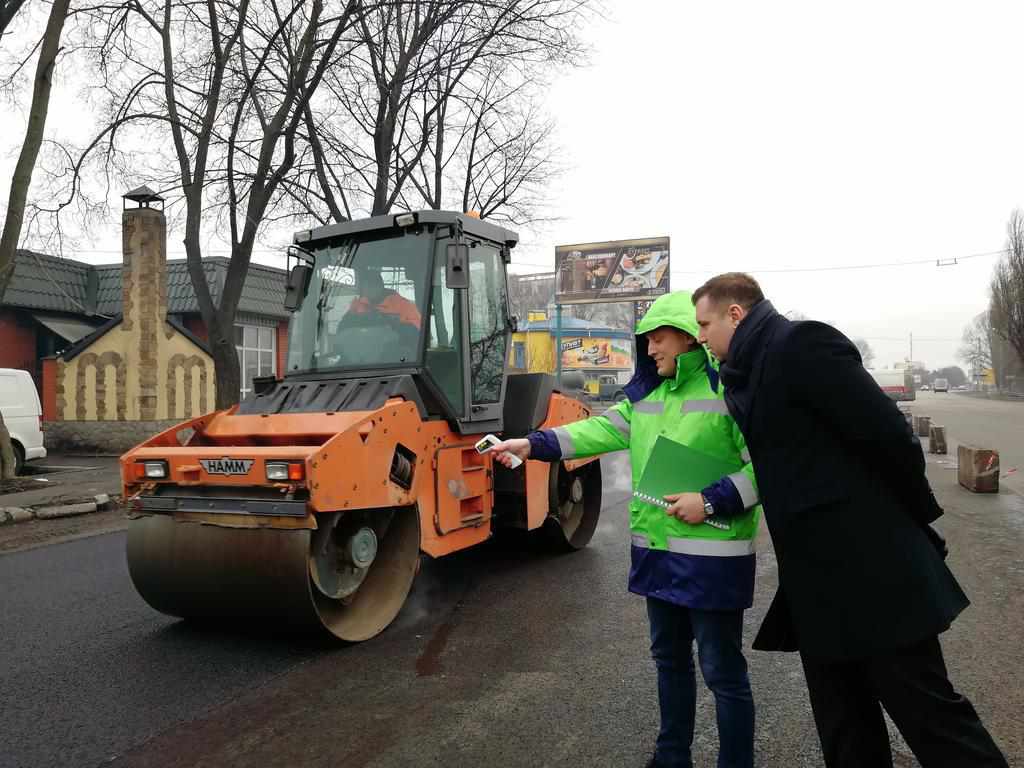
(61, 482)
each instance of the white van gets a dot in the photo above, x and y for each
(23, 414)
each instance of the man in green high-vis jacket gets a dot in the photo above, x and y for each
(698, 578)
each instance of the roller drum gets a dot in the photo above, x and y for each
(196, 570)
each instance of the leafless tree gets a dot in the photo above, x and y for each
(48, 50)
(867, 354)
(226, 87)
(976, 349)
(1007, 287)
(405, 98)
(8, 10)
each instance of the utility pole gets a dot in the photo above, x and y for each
(911, 347)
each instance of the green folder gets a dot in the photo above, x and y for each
(677, 468)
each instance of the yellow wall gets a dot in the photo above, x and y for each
(142, 369)
(540, 351)
(103, 382)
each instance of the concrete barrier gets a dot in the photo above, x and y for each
(924, 425)
(937, 439)
(978, 468)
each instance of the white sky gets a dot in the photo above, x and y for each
(762, 136)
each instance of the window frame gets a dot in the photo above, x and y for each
(242, 349)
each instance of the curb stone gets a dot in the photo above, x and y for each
(11, 515)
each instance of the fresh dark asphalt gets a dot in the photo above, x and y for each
(504, 656)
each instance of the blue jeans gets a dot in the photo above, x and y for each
(719, 636)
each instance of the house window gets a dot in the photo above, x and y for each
(257, 348)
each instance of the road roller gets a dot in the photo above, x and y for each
(310, 504)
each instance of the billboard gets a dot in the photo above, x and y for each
(620, 270)
(639, 310)
(596, 352)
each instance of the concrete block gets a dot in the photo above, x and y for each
(67, 510)
(15, 514)
(924, 424)
(937, 439)
(978, 468)
(102, 500)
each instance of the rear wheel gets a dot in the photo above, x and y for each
(19, 457)
(574, 505)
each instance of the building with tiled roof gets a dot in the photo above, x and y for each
(54, 303)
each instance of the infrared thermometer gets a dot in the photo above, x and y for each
(487, 442)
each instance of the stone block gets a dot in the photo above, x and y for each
(67, 510)
(937, 439)
(978, 468)
(15, 514)
(924, 424)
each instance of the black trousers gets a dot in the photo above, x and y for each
(939, 725)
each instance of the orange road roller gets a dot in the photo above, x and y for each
(311, 503)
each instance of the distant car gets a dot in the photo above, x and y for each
(23, 415)
(925, 388)
(941, 385)
(961, 388)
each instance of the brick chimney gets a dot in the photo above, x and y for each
(144, 287)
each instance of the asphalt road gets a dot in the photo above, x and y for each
(504, 656)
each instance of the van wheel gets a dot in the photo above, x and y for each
(19, 457)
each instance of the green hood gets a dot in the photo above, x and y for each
(674, 309)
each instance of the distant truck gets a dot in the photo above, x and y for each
(941, 385)
(610, 388)
(898, 384)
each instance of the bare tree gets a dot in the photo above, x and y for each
(867, 354)
(22, 179)
(976, 349)
(405, 96)
(48, 51)
(8, 10)
(1007, 287)
(230, 89)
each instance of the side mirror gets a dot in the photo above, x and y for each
(457, 266)
(297, 286)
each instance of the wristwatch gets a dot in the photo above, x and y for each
(709, 508)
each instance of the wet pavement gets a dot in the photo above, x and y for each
(505, 655)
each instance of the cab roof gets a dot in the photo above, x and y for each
(470, 224)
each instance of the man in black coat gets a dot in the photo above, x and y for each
(863, 589)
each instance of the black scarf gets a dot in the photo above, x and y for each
(741, 372)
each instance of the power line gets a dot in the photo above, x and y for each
(950, 262)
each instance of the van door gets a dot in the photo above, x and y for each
(19, 403)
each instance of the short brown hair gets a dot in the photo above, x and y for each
(732, 288)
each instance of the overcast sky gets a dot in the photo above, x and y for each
(766, 136)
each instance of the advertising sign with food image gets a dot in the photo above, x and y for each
(595, 352)
(621, 270)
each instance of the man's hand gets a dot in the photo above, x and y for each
(688, 507)
(519, 447)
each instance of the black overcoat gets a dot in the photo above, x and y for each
(842, 480)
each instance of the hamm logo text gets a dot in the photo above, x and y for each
(227, 466)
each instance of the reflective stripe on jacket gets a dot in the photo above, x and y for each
(699, 566)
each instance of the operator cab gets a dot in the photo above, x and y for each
(416, 299)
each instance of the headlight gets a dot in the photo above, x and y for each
(284, 471)
(277, 470)
(151, 470)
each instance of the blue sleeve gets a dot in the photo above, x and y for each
(544, 446)
(724, 498)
